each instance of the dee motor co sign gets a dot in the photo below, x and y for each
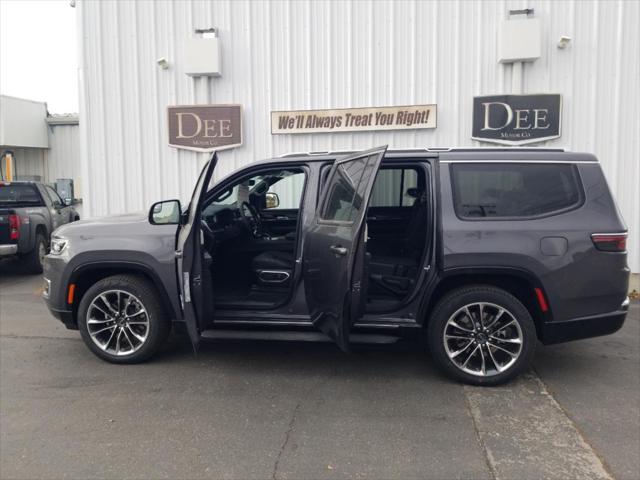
(516, 119)
(205, 128)
(354, 119)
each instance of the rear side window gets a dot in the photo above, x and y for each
(391, 187)
(13, 194)
(347, 187)
(514, 190)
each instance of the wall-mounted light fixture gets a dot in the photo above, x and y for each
(564, 42)
(163, 63)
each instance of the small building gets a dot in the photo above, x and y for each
(44, 147)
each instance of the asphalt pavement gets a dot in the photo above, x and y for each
(248, 409)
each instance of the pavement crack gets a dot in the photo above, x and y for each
(36, 337)
(545, 388)
(488, 457)
(292, 424)
(521, 423)
(294, 416)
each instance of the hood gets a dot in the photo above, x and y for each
(130, 224)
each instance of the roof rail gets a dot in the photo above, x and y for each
(317, 153)
(428, 149)
(505, 149)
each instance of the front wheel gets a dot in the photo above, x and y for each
(481, 335)
(121, 319)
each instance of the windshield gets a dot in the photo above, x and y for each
(14, 194)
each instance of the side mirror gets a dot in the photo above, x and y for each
(68, 202)
(166, 212)
(272, 200)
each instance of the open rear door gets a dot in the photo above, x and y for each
(190, 259)
(335, 245)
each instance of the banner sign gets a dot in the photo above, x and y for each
(516, 119)
(205, 128)
(354, 119)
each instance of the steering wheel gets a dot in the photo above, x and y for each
(251, 217)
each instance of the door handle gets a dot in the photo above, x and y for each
(341, 251)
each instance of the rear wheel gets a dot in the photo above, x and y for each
(121, 319)
(481, 335)
(34, 259)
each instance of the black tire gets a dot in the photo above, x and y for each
(474, 295)
(146, 294)
(32, 261)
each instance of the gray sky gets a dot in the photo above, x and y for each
(38, 52)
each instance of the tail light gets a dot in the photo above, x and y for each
(610, 242)
(14, 227)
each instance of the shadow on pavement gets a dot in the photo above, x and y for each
(12, 268)
(406, 358)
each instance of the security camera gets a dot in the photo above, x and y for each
(163, 63)
(564, 41)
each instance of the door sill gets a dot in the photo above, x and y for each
(293, 336)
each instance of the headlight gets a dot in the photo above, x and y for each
(58, 245)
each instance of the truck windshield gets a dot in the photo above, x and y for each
(15, 194)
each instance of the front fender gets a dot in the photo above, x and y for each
(161, 272)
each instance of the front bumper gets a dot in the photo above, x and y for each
(54, 291)
(65, 316)
(6, 250)
(585, 327)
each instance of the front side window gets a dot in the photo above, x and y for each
(514, 190)
(274, 189)
(286, 192)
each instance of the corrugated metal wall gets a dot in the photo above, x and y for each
(60, 160)
(64, 155)
(30, 162)
(311, 54)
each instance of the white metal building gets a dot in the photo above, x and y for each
(45, 147)
(290, 55)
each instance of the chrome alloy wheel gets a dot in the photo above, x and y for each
(117, 322)
(483, 339)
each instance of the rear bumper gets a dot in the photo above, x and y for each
(585, 327)
(6, 250)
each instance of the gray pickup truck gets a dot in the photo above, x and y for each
(29, 213)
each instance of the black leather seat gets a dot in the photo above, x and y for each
(396, 274)
(273, 260)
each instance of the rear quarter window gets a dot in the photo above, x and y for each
(514, 191)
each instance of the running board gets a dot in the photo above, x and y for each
(294, 336)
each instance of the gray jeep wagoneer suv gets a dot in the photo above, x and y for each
(487, 251)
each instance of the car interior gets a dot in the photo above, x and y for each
(250, 233)
(397, 221)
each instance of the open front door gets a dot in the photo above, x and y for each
(335, 246)
(190, 259)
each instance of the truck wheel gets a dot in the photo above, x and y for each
(481, 335)
(121, 319)
(34, 259)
